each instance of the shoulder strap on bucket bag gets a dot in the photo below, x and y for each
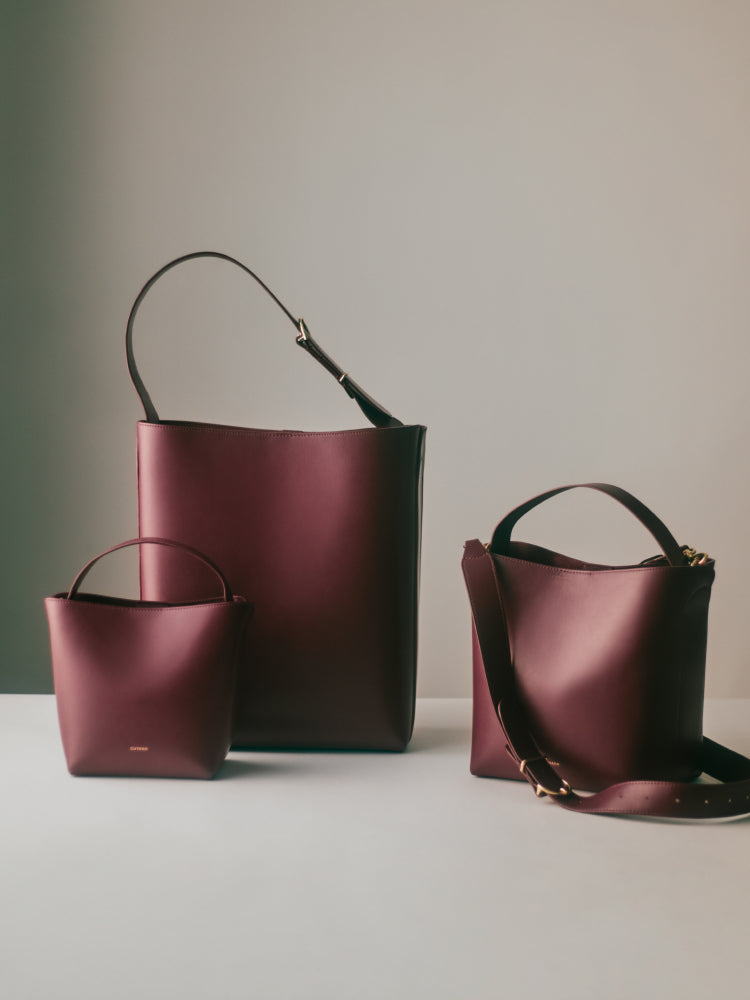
(375, 413)
(667, 799)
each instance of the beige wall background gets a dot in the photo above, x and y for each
(525, 224)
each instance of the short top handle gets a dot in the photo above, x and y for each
(227, 593)
(675, 556)
(374, 412)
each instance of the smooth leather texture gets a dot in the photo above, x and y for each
(609, 665)
(594, 674)
(323, 530)
(146, 689)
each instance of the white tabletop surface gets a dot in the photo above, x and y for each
(355, 876)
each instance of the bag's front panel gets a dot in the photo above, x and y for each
(609, 665)
(144, 692)
(321, 532)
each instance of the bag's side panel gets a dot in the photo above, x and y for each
(489, 758)
(321, 532)
(682, 680)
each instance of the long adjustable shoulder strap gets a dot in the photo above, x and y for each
(374, 412)
(630, 798)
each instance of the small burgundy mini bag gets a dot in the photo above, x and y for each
(591, 677)
(145, 688)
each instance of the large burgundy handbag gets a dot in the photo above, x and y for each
(146, 689)
(591, 677)
(323, 530)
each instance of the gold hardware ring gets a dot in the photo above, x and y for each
(540, 789)
(529, 760)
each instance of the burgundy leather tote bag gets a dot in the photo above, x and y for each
(323, 530)
(590, 677)
(146, 689)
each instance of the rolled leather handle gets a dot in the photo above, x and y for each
(375, 413)
(227, 593)
(675, 556)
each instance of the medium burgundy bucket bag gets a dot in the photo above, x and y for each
(323, 530)
(146, 689)
(590, 677)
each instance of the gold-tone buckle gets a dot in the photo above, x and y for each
(540, 790)
(565, 790)
(529, 760)
(303, 331)
(696, 558)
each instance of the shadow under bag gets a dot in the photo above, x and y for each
(323, 530)
(591, 677)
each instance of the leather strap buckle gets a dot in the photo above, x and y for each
(564, 790)
(540, 789)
